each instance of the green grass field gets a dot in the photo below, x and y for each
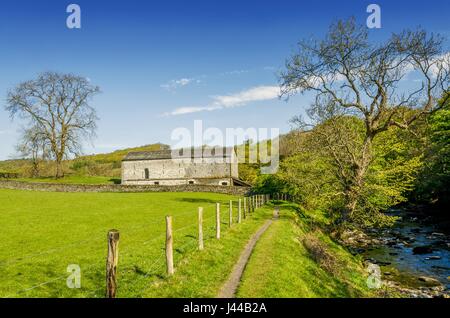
(73, 179)
(44, 232)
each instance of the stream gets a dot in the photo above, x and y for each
(415, 253)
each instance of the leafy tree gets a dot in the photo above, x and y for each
(434, 181)
(352, 76)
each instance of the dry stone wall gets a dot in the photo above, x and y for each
(55, 187)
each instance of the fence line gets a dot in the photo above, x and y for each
(246, 206)
(80, 242)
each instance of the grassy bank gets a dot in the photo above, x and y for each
(281, 266)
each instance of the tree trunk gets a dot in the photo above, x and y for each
(35, 169)
(353, 192)
(59, 169)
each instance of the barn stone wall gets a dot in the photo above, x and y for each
(209, 171)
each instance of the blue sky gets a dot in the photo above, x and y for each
(159, 63)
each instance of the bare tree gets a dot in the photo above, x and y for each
(57, 105)
(352, 76)
(34, 145)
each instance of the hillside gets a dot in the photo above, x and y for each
(95, 165)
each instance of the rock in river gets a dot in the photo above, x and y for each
(422, 250)
(430, 280)
(434, 257)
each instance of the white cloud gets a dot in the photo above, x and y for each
(174, 84)
(191, 109)
(440, 61)
(259, 93)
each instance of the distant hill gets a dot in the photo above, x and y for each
(117, 156)
(106, 164)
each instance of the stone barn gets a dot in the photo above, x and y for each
(167, 167)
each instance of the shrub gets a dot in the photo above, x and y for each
(319, 252)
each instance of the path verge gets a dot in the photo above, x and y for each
(230, 287)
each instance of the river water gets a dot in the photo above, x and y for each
(400, 261)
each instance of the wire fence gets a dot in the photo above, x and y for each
(140, 257)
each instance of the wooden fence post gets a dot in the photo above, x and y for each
(169, 245)
(200, 228)
(239, 211)
(111, 263)
(245, 208)
(218, 221)
(230, 221)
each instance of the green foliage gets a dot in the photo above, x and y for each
(249, 172)
(268, 183)
(308, 178)
(434, 181)
(319, 173)
(394, 169)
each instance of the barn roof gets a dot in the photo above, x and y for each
(167, 154)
